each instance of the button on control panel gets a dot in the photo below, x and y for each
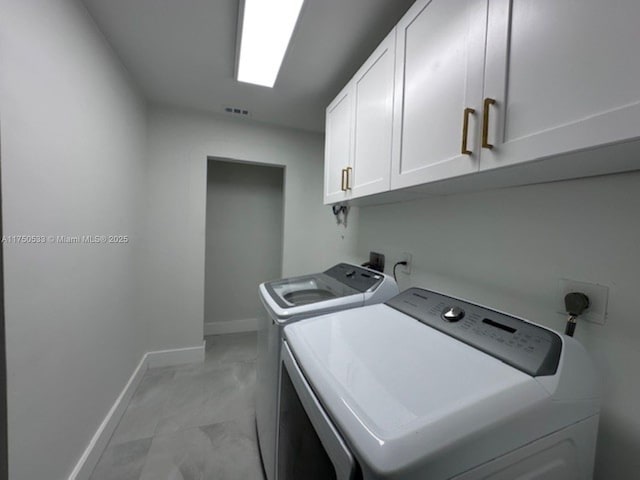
(360, 279)
(453, 314)
(528, 347)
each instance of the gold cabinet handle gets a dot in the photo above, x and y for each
(485, 123)
(465, 130)
(343, 180)
(349, 170)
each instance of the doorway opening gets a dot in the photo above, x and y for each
(243, 241)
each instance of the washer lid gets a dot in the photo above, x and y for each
(307, 295)
(298, 291)
(342, 286)
(401, 391)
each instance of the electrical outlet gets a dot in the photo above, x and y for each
(598, 299)
(376, 261)
(406, 257)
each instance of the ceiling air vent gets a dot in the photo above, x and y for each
(242, 112)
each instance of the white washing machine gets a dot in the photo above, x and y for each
(431, 387)
(286, 301)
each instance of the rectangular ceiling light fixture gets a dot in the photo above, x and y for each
(267, 26)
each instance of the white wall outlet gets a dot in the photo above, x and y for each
(406, 269)
(598, 299)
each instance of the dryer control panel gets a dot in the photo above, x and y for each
(530, 348)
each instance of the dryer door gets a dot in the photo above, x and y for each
(309, 446)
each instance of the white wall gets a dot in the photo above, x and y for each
(73, 143)
(179, 144)
(508, 248)
(243, 238)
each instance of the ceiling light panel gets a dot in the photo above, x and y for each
(267, 26)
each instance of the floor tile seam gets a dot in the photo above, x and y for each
(146, 457)
(113, 445)
(236, 362)
(199, 425)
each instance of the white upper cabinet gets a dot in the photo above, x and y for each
(564, 74)
(373, 121)
(439, 75)
(483, 84)
(358, 134)
(338, 146)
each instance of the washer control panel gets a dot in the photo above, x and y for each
(360, 279)
(530, 348)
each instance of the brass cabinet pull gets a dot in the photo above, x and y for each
(349, 170)
(465, 130)
(342, 180)
(485, 123)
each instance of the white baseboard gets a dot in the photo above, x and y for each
(177, 356)
(100, 440)
(98, 443)
(231, 326)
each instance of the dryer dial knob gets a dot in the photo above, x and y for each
(452, 314)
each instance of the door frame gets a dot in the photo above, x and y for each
(4, 453)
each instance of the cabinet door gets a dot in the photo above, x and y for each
(373, 121)
(338, 146)
(565, 76)
(439, 73)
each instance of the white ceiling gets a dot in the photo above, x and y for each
(182, 53)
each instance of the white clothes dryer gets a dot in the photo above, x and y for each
(428, 386)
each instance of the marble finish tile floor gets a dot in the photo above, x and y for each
(192, 422)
